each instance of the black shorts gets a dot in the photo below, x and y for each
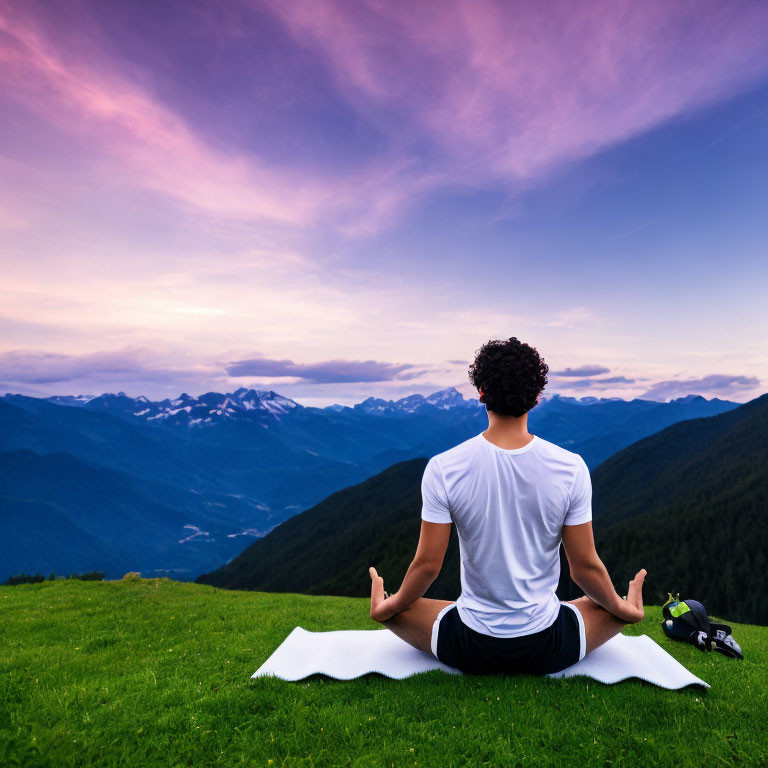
(558, 646)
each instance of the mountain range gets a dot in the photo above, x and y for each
(595, 427)
(181, 486)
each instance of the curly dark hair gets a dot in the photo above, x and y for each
(510, 374)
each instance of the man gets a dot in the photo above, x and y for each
(513, 497)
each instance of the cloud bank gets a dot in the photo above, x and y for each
(327, 372)
(716, 383)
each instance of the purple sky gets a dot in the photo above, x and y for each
(343, 199)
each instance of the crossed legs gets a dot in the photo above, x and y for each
(414, 624)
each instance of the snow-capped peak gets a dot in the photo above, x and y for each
(262, 406)
(443, 399)
(447, 398)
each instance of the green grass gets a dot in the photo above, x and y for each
(157, 673)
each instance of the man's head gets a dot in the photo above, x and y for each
(509, 375)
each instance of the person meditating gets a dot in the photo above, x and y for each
(513, 498)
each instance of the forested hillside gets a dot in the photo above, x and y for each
(690, 504)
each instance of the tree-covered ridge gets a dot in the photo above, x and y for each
(690, 504)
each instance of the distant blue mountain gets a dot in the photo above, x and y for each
(186, 484)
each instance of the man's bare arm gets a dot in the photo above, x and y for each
(426, 565)
(589, 572)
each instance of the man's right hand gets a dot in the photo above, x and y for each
(631, 609)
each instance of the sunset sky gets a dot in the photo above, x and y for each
(343, 199)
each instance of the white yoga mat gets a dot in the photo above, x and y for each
(345, 654)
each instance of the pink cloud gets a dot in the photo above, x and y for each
(82, 94)
(509, 90)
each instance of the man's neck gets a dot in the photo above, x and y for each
(508, 432)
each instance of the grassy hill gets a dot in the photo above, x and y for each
(157, 673)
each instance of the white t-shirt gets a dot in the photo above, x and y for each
(508, 506)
